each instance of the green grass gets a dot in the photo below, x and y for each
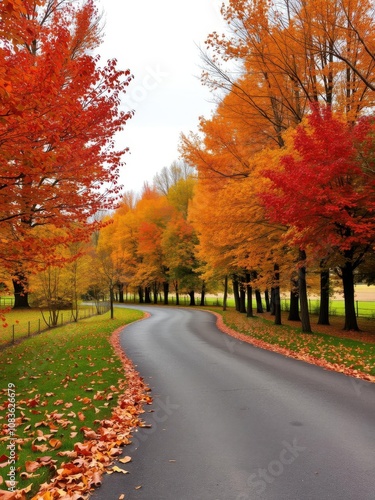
(58, 374)
(21, 323)
(364, 309)
(332, 345)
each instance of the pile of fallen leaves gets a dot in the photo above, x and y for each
(85, 465)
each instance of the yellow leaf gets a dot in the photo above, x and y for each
(117, 469)
(125, 460)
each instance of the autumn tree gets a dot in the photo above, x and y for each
(59, 286)
(179, 242)
(227, 214)
(170, 176)
(109, 264)
(326, 197)
(59, 160)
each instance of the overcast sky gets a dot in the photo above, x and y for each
(157, 41)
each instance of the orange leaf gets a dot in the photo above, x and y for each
(55, 443)
(31, 466)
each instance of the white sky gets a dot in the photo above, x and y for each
(157, 41)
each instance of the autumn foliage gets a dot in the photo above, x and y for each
(283, 202)
(59, 109)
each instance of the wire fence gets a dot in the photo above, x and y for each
(6, 302)
(22, 330)
(363, 309)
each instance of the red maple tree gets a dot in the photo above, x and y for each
(59, 163)
(325, 194)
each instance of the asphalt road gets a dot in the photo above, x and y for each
(235, 422)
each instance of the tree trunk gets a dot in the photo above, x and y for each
(324, 299)
(147, 295)
(272, 302)
(21, 295)
(111, 300)
(192, 298)
(249, 297)
(267, 300)
(166, 292)
(294, 301)
(177, 294)
(155, 292)
(258, 299)
(236, 292)
(141, 295)
(302, 287)
(348, 285)
(277, 301)
(242, 298)
(203, 294)
(225, 298)
(121, 293)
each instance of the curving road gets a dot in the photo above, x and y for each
(234, 422)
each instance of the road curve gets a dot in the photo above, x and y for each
(234, 422)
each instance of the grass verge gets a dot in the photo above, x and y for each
(21, 323)
(65, 381)
(328, 344)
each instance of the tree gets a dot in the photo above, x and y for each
(59, 287)
(169, 176)
(109, 264)
(59, 161)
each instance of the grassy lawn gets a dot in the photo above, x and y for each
(364, 308)
(354, 350)
(21, 323)
(65, 381)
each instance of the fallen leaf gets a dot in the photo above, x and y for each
(96, 479)
(117, 469)
(31, 466)
(55, 443)
(41, 447)
(25, 475)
